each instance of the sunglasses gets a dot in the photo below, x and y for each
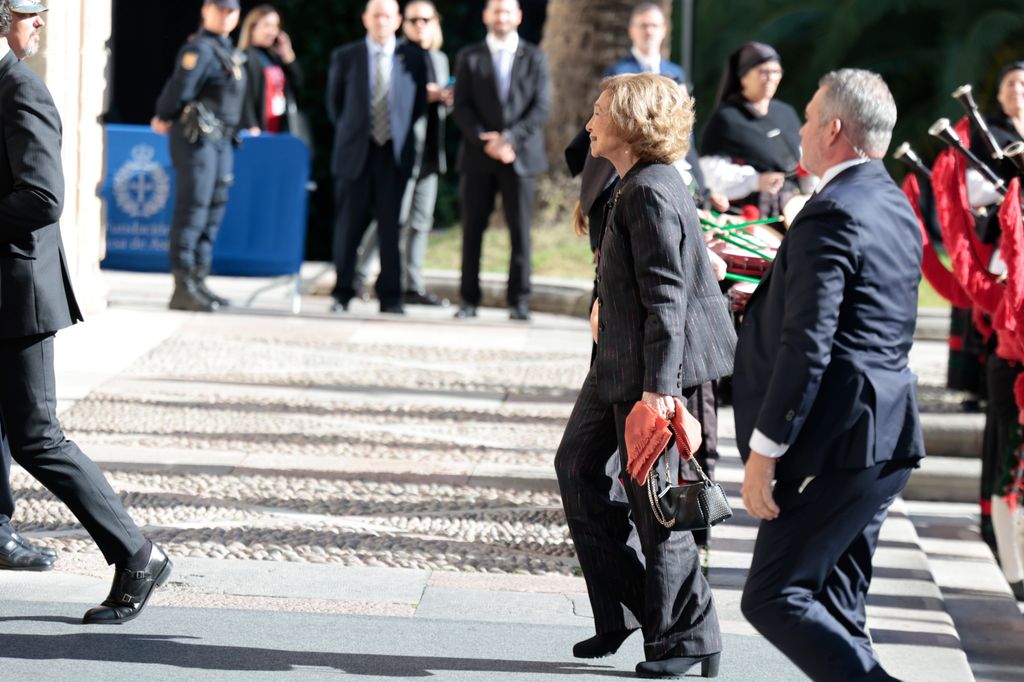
(419, 20)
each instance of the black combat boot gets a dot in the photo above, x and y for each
(186, 297)
(199, 275)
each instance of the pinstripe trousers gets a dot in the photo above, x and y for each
(661, 587)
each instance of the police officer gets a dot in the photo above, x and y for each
(200, 108)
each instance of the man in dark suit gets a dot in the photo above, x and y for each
(36, 300)
(16, 552)
(824, 400)
(502, 100)
(647, 31)
(422, 27)
(376, 91)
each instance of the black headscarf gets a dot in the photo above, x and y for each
(1005, 71)
(742, 60)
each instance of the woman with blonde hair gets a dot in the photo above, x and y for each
(274, 77)
(661, 329)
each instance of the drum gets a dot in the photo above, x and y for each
(739, 294)
(743, 262)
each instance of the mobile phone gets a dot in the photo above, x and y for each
(450, 83)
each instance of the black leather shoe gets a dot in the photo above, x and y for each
(14, 556)
(602, 644)
(520, 311)
(679, 666)
(416, 298)
(339, 307)
(23, 541)
(130, 591)
(392, 308)
(465, 312)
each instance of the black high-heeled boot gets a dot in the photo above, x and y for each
(602, 644)
(678, 666)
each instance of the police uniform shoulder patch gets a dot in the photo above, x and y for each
(189, 60)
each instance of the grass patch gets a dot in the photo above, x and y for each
(928, 298)
(556, 252)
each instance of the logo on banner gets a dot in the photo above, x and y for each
(141, 185)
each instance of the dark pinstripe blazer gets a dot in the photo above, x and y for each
(664, 325)
(35, 286)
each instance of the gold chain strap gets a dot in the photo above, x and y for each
(652, 494)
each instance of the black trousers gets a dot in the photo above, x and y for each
(28, 419)
(477, 190)
(375, 195)
(661, 588)
(204, 173)
(808, 582)
(1001, 438)
(6, 496)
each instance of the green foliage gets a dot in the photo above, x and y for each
(923, 48)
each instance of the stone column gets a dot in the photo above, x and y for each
(74, 62)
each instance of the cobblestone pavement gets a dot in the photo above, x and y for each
(399, 406)
(324, 392)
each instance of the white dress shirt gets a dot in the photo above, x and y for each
(648, 64)
(387, 50)
(503, 54)
(759, 442)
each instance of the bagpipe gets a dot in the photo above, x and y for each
(986, 277)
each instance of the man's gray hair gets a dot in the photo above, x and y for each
(5, 18)
(644, 8)
(862, 101)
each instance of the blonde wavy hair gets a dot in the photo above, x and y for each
(250, 21)
(652, 114)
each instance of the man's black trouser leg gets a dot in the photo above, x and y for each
(811, 569)
(28, 407)
(6, 495)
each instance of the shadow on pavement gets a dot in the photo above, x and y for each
(172, 651)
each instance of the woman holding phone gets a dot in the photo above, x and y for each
(274, 78)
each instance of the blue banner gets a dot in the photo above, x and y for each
(264, 230)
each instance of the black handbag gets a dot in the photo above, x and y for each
(691, 506)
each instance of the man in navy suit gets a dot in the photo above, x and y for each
(824, 400)
(647, 31)
(376, 91)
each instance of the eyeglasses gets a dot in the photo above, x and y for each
(769, 73)
(419, 20)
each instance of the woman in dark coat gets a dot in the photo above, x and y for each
(274, 78)
(751, 144)
(662, 329)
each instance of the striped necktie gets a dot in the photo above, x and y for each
(381, 126)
